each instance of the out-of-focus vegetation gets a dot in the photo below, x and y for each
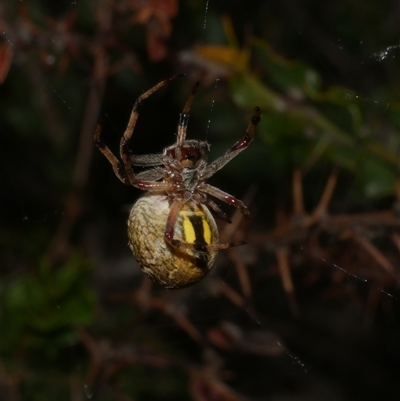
(309, 308)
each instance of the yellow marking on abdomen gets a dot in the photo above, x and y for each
(191, 232)
(207, 231)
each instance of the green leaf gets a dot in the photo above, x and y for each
(50, 304)
(288, 75)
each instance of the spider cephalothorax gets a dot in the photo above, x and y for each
(171, 230)
(183, 163)
(189, 153)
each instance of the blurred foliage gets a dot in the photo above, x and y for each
(326, 76)
(305, 123)
(41, 311)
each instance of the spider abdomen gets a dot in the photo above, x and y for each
(169, 266)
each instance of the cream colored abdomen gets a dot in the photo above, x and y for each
(168, 266)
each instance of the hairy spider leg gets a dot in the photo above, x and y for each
(225, 197)
(218, 210)
(237, 148)
(145, 180)
(118, 168)
(126, 157)
(184, 116)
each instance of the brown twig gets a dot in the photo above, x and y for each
(282, 255)
(376, 254)
(298, 204)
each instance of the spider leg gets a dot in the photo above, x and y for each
(176, 207)
(238, 147)
(118, 168)
(150, 175)
(147, 160)
(225, 197)
(153, 186)
(153, 174)
(184, 116)
(126, 157)
(218, 210)
(203, 248)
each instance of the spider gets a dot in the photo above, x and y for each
(170, 229)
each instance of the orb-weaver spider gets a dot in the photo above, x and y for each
(171, 230)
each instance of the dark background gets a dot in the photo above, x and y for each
(309, 309)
